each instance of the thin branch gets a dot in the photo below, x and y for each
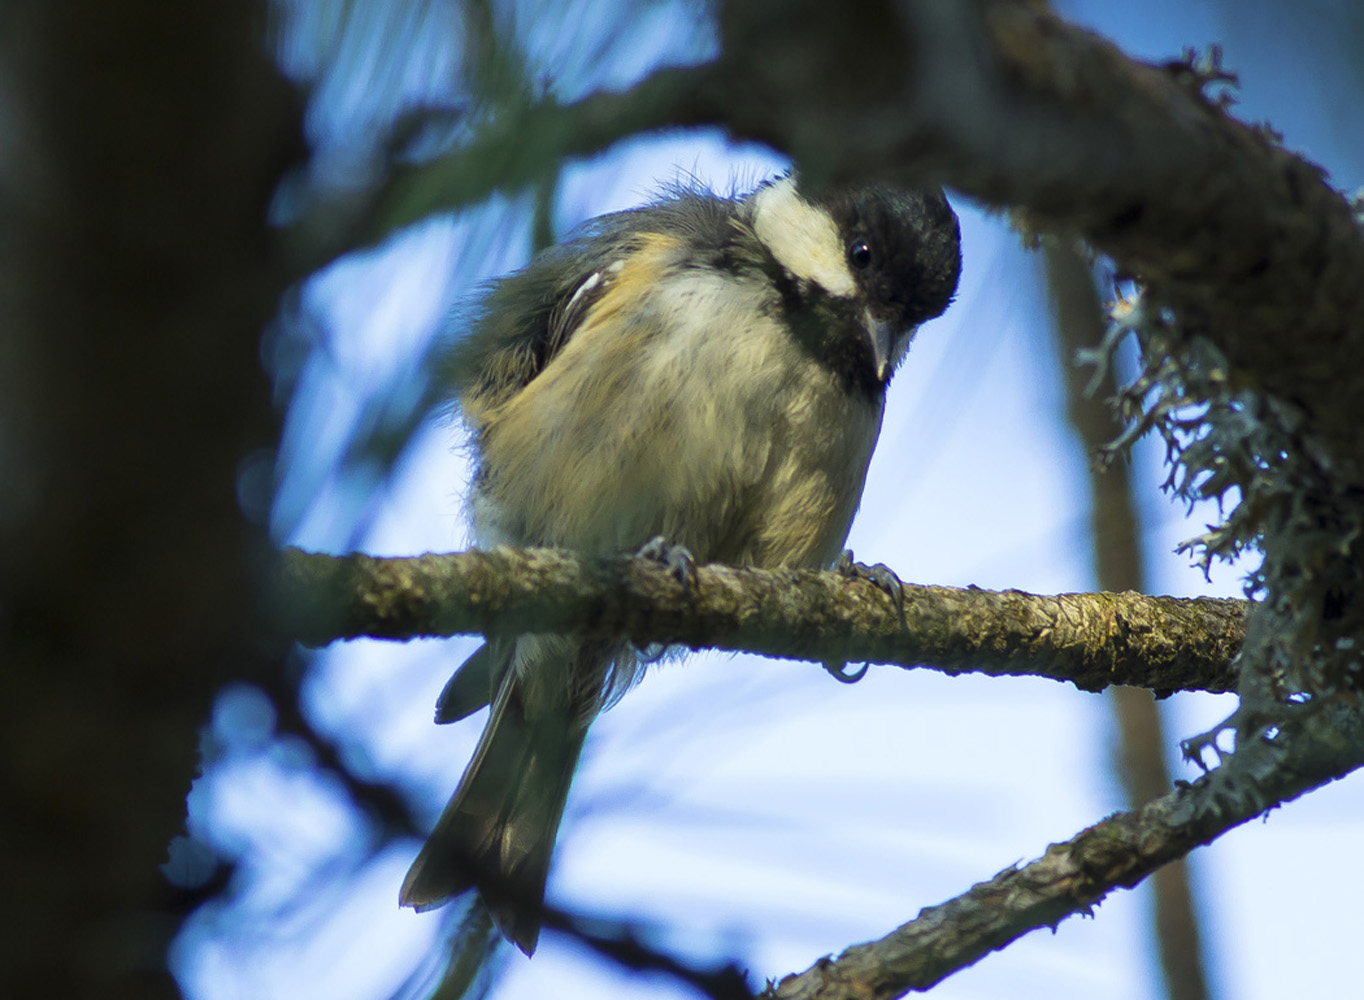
(1091, 640)
(624, 943)
(1072, 877)
(511, 153)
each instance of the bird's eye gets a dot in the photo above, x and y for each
(859, 253)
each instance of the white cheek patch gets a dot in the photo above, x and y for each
(803, 238)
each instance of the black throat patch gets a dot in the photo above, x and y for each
(830, 329)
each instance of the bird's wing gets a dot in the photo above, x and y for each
(526, 318)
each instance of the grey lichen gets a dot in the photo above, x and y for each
(1279, 492)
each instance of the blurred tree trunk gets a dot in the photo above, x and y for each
(140, 143)
(1118, 566)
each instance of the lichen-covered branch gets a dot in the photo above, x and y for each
(1072, 877)
(1092, 640)
(1006, 102)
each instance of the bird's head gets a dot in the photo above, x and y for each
(863, 267)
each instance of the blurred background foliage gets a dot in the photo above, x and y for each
(731, 809)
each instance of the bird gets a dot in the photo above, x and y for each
(701, 378)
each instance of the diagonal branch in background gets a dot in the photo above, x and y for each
(1092, 640)
(1072, 877)
(513, 152)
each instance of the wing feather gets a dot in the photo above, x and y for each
(526, 318)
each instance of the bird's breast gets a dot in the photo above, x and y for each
(688, 411)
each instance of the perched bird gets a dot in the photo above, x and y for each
(706, 370)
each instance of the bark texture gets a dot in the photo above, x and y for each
(1092, 640)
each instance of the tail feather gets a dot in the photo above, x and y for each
(497, 833)
(475, 683)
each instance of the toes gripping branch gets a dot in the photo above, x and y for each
(676, 559)
(881, 575)
(884, 578)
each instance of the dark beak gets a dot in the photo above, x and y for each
(880, 336)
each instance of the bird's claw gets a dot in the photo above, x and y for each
(676, 559)
(840, 672)
(881, 575)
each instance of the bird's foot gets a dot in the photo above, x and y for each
(884, 579)
(676, 559)
(881, 575)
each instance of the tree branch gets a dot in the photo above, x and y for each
(626, 945)
(1091, 640)
(1007, 103)
(518, 149)
(1071, 877)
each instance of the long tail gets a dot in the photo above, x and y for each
(497, 832)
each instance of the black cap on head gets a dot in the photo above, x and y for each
(904, 250)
